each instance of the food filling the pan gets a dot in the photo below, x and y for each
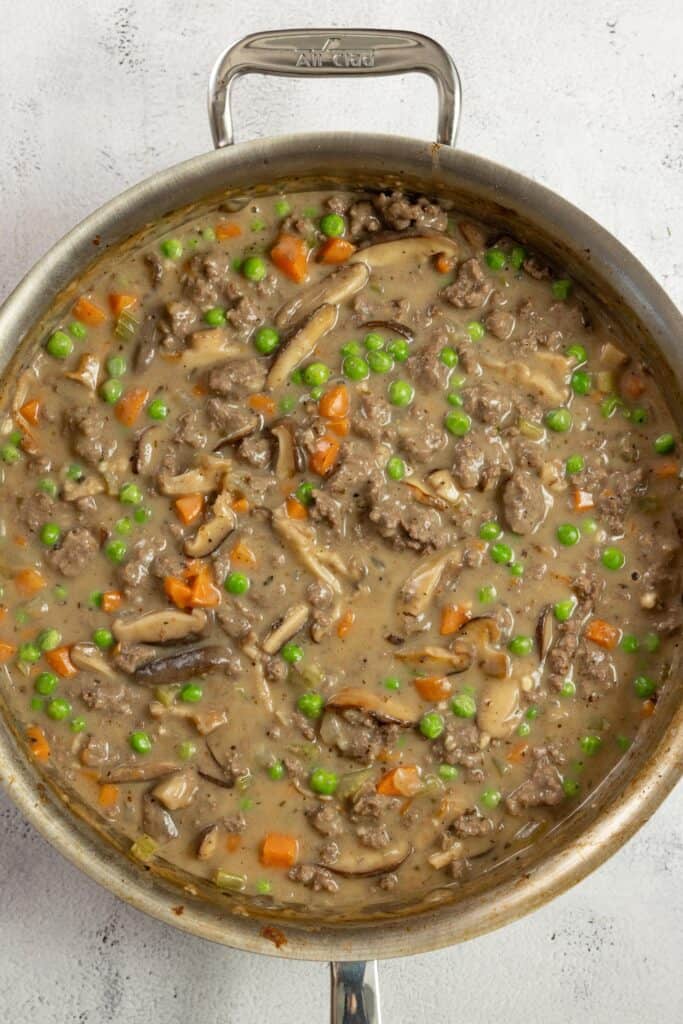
(340, 547)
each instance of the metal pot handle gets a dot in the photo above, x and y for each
(320, 53)
(355, 993)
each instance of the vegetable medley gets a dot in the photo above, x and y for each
(340, 547)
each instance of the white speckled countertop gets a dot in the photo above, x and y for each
(586, 97)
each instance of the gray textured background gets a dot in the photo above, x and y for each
(586, 97)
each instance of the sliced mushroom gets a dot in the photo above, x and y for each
(209, 346)
(88, 658)
(148, 344)
(224, 781)
(441, 481)
(335, 288)
(174, 668)
(366, 863)
(301, 538)
(438, 659)
(476, 638)
(211, 535)
(160, 627)
(74, 490)
(411, 250)
(544, 631)
(147, 450)
(301, 345)
(177, 790)
(203, 721)
(285, 463)
(533, 380)
(285, 627)
(87, 371)
(422, 494)
(419, 588)
(391, 325)
(143, 771)
(612, 357)
(156, 821)
(208, 476)
(442, 858)
(208, 842)
(221, 746)
(383, 709)
(246, 422)
(498, 710)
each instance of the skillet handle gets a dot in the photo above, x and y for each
(320, 53)
(355, 993)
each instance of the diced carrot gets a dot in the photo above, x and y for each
(433, 688)
(443, 263)
(178, 591)
(111, 600)
(233, 843)
(118, 301)
(6, 651)
(667, 470)
(647, 709)
(128, 408)
(602, 634)
(340, 427)
(402, 781)
(295, 510)
(3, 612)
(345, 624)
(335, 250)
(279, 850)
(241, 552)
(289, 254)
(205, 593)
(335, 404)
(189, 507)
(582, 500)
(261, 403)
(631, 384)
(38, 743)
(518, 753)
(89, 312)
(240, 505)
(453, 616)
(108, 795)
(227, 229)
(60, 661)
(29, 581)
(324, 455)
(20, 540)
(199, 390)
(31, 411)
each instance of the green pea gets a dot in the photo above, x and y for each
(380, 362)
(351, 348)
(589, 526)
(116, 366)
(490, 798)
(639, 415)
(78, 724)
(431, 725)
(257, 224)
(355, 368)
(458, 423)
(142, 515)
(396, 468)
(74, 472)
(263, 887)
(59, 345)
(111, 390)
(567, 534)
(561, 288)
(516, 570)
(613, 558)
(10, 454)
(651, 642)
(95, 599)
(78, 330)
(130, 494)
(455, 398)
(50, 534)
(590, 744)
(287, 404)
(266, 340)
(46, 683)
(644, 686)
(578, 353)
(47, 486)
(448, 772)
(401, 393)
(399, 350)
(391, 683)
(495, 258)
(475, 330)
(487, 594)
(575, 464)
(373, 342)
(140, 742)
(276, 771)
(464, 705)
(609, 406)
(171, 248)
(559, 420)
(282, 208)
(304, 492)
(448, 356)
(523, 729)
(104, 638)
(237, 583)
(186, 750)
(623, 742)
(517, 256)
(490, 530)
(36, 704)
(629, 643)
(501, 553)
(571, 787)
(291, 652)
(58, 709)
(253, 268)
(332, 225)
(664, 444)
(581, 382)
(191, 693)
(48, 639)
(316, 374)
(568, 688)
(15, 437)
(311, 704)
(532, 713)
(208, 234)
(123, 525)
(215, 316)
(563, 610)
(323, 782)
(521, 645)
(157, 409)
(116, 551)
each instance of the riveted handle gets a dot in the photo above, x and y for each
(320, 53)
(355, 993)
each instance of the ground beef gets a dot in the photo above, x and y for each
(326, 509)
(398, 212)
(373, 419)
(459, 745)
(468, 463)
(487, 404)
(95, 753)
(37, 510)
(354, 469)
(536, 268)
(561, 656)
(471, 287)
(90, 434)
(231, 419)
(587, 589)
(420, 438)
(362, 219)
(500, 324)
(156, 269)
(471, 825)
(182, 318)
(109, 696)
(204, 281)
(329, 853)
(275, 670)
(374, 836)
(190, 431)
(404, 525)
(313, 877)
(137, 568)
(325, 819)
(524, 502)
(473, 234)
(594, 670)
(256, 450)
(366, 803)
(542, 788)
(426, 367)
(359, 736)
(237, 618)
(77, 549)
(243, 316)
(238, 377)
(613, 502)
